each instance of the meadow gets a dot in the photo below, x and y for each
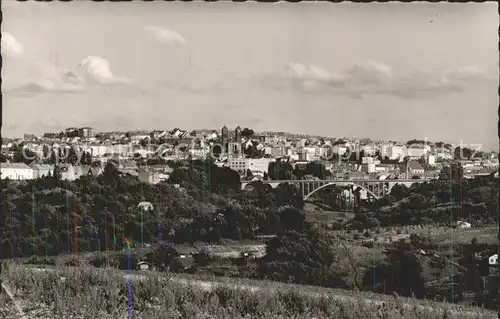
(86, 292)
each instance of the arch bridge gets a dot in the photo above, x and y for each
(374, 188)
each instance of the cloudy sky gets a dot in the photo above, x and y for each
(385, 71)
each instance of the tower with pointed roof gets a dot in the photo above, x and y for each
(237, 134)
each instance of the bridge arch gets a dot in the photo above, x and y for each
(336, 184)
(254, 184)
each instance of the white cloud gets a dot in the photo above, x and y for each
(48, 77)
(377, 78)
(96, 69)
(164, 35)
(10, 46)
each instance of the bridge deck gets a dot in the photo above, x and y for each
(345, 181)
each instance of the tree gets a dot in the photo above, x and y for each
(302, 258)
(454, 172)
(246, 132)
(3, 158)
(292, 219)
(400, 272)
(280, 170)
(462, 153)
(57, 175)
(400, 191)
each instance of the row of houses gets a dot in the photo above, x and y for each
(21, 171)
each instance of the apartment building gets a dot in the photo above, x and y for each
(16, 171)
(368, 168)
(396, 151)
(258, 166)
(41, 170)
(339, 149)
(369, 149)
(86, 132)
(418, 152)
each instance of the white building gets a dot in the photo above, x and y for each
(339, 149)
(462, 224)
(396, 151)
(42, 170)
(259, 165)
(368, 168)
(493, 260)
(239, 165)
(431, 159)
(369, 149)
(198, 152)
(15, 171)
(417, 152)
(367, 160)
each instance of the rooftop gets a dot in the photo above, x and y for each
(14, 165)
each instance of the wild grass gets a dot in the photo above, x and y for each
(102, 293)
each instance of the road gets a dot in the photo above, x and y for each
(456, 311)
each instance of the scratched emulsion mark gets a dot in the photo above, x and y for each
(68, 208)
(14, 232)
(114, 232)
(128, 243)
(75, 233)
(160, 234)
(87, 226)
(235, 225)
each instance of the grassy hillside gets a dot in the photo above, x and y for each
(103, 294)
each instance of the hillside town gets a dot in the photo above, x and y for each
(81, 151)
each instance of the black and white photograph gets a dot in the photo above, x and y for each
(224, 160)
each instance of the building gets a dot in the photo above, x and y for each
(339, 149)
(368, 168)
(418, 152)
(259, 166)
(86, 132)
(367, 160)
(396, 151)
(415, 169)
(431, 159)
(224, 132)
(239, 165)
(15, 171)
(493, 260)
(144, 265)
(462, 224)
(369, 149)
(42, 170)
(148, 175)
(237, 134)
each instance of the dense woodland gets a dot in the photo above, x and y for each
(203, 202)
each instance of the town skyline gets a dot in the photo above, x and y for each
(304, 74)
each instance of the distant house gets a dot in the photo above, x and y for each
(144, 265)
(145, 206)
(16, 171)
(493, 260)
(147, 175)
(414, 168)
(462, 224)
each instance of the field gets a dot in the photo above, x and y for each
(92, 293)
(439, 234)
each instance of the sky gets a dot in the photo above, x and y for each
(388, 71)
